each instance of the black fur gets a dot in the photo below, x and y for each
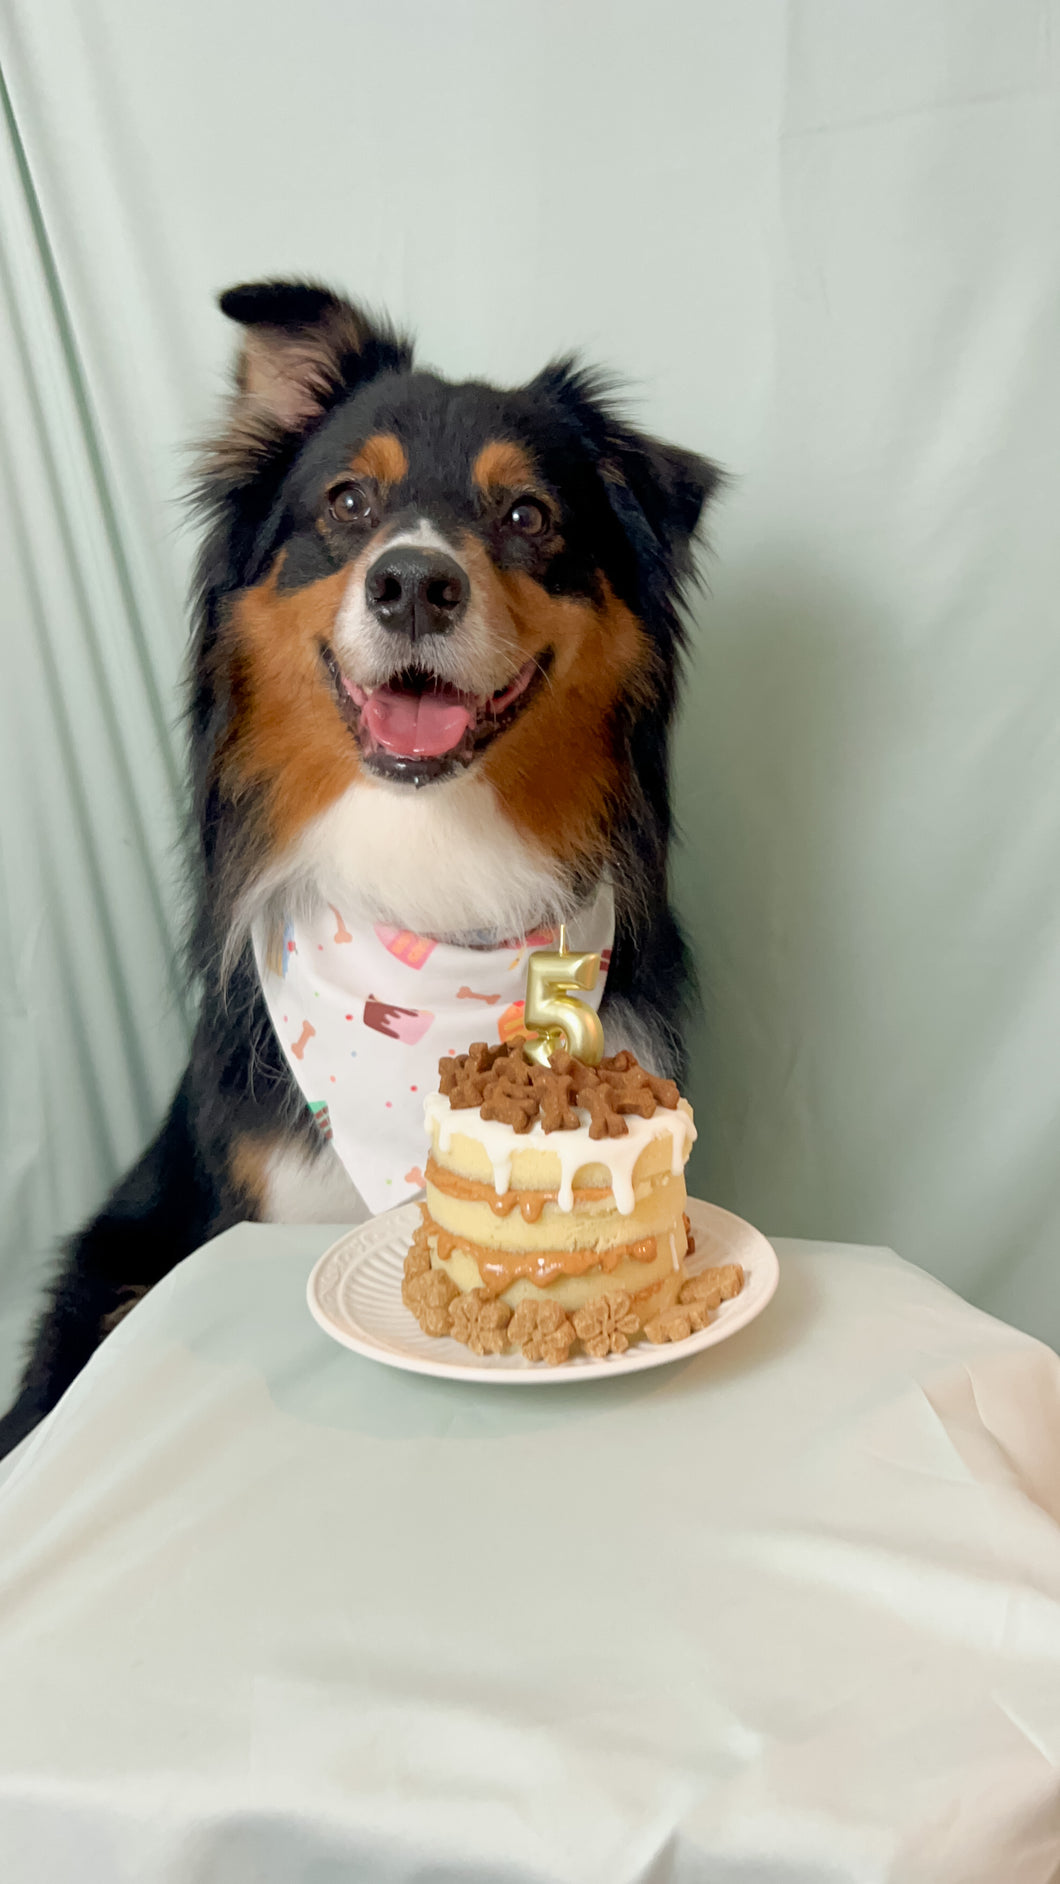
(317, 375)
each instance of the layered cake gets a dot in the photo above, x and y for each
(555, 1219)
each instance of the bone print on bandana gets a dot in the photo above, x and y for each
(364, 1012)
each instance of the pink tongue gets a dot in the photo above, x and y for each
(419, 726)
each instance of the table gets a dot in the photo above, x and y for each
(787, 1611)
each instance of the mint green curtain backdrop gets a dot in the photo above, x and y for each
(821, 240)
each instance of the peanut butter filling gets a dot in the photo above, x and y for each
(671, 1309)
(530, 1203)
(499, 1269)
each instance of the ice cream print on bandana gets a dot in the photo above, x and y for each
(365, 1011)
(398, 1023)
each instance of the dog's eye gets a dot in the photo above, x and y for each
(350, 503)
(528, 517)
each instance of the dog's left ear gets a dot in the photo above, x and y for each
(657, 491)
(305, 347)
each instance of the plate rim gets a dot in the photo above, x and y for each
(613, 1367)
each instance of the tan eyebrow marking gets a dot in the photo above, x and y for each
(381, 457)
(502, 466)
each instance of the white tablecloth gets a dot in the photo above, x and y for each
(789, 1610)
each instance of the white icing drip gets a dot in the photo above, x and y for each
(573, 1149)
(674, 1258)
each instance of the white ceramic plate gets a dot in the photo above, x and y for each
(354, 1293)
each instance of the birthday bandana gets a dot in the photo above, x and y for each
(364, 1014)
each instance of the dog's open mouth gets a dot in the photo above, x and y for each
(417, 728)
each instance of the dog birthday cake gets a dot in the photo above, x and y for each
(554, 1222)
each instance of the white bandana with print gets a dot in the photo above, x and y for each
(364, 1013)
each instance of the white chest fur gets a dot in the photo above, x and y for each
(442, 861)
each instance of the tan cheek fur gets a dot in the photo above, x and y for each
(287, 733)
(554, 770)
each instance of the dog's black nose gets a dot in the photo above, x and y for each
(416, 591)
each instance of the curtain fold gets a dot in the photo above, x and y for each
(92, 1022)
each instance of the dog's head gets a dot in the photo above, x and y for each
(439, 632)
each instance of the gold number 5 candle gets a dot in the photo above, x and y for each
(553, 1011)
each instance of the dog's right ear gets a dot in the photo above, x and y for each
(305, 348)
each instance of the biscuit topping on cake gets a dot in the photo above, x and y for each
(501, 1083)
